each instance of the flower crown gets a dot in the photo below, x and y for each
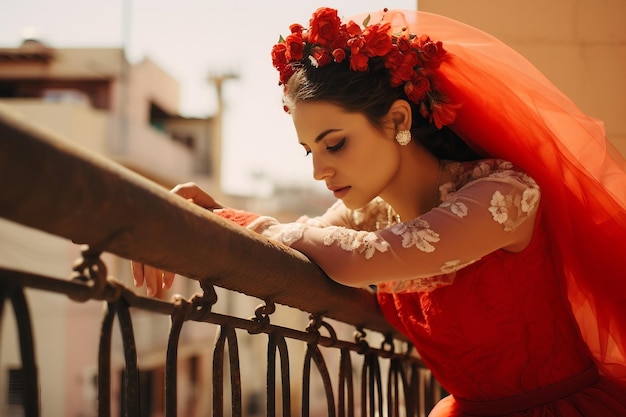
(410, 59)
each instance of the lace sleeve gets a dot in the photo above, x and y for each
(486, 214)
(376, 215)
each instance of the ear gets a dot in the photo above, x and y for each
(400, 114)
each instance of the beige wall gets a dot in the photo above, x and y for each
(149, 83)
(77, 123)
(579, 45)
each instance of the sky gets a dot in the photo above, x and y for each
(191, 39)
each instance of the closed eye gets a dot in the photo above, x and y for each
(338, 146)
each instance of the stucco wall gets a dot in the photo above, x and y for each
(580, 45)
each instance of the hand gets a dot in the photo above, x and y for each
(155, 278)
(197, 195)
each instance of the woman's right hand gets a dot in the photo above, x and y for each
(155, 278)
(196, 195)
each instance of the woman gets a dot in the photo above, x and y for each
(482, 203)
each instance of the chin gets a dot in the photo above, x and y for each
(353, 204)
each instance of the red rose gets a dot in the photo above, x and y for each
(393, 59)
(353, 29)
(358, 62)
(322, 57)
(443, 114)
(339, 55)
(432, 52)
(295, 47)
(404, 44)
(417, 88)
(285, 74)
(296, 29)
(394, 80)
(355, 44)
(378, 39)
(405, 72)
(278, 55)
(410, 59)
(324, 26)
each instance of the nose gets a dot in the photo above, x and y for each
(321, 168)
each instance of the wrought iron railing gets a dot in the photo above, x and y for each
(107, 208)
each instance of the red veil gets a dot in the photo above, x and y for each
(511, 111)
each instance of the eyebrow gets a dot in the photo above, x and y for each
(324, 133)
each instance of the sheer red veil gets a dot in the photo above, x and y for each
(511, 111)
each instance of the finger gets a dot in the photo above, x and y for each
(137, 269)
(168, 279)
(153, 279)
(188, 190)
(197, 195)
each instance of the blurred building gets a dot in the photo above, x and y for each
(95, 99)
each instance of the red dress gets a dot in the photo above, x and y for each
(505, 330)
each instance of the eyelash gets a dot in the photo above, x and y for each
(330, 148)
(337, 146)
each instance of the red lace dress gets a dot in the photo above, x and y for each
(502, 339)
(496, 327)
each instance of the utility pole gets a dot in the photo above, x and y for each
(218, 79)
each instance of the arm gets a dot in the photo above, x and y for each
(155, 278)
(443, 240)
(485, 215)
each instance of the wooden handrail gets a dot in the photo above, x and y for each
(54, 186)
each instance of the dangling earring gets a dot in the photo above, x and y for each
(403, 137)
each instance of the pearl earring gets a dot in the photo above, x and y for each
(403, 137)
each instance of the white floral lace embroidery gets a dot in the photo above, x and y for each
(416, 233)
(512, 209)
(376, 215)
(455, 265)
(366, 243)
(426, 284)
(456, 207)
(310, 221)
(508, 210)
(291, 233)
(530, 199)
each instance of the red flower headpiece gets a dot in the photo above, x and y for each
(410, 59)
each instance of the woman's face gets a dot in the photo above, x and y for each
(356, 160)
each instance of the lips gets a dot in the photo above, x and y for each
(339, 192)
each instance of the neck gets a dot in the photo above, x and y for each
(416, 188)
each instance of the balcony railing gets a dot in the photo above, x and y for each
(52, 186)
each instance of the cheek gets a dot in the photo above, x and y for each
(380, 163)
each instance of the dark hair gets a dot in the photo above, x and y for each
(370, 93)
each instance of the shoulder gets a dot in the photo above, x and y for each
(507, 193)
(496, 171)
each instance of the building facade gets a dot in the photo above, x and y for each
(94, 99)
